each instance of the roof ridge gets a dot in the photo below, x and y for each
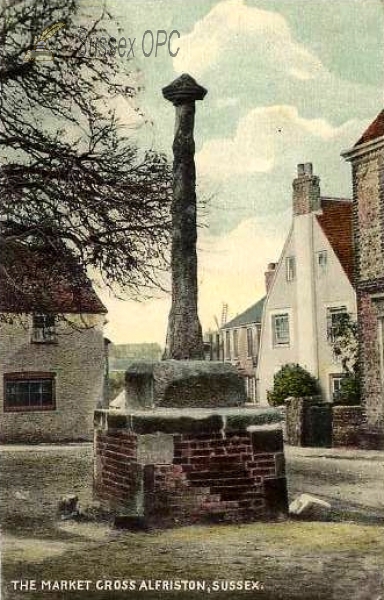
(373, 131)
(336, 223)
(238, 317)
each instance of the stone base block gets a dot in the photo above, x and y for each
(183, 384)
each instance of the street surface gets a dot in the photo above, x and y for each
(293, 560)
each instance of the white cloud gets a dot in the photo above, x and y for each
(227, 102)
(232, 25)
(266, 136)
(231, 270)
(232, 266)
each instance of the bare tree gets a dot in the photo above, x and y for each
(71, 180)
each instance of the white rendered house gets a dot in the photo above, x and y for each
(311, 285)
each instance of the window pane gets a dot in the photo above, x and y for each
(290, 268)
(35, 393)
(322, 259)
(227, 345)
(335, 319)
(29, 394)
(250, 342)
(236, 343)
(38, 321)
(280, 325)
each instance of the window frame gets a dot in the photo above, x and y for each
(227, 344)
(332, 378)
(235, 338)
(43, 332)
(250, 342)
(29, 378)
(250, 387)
(322, 267)
(275, 342)
(290, 268)
(332, 311)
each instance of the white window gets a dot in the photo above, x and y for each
(43, 329)
(280, 329)
(322, 261)
(250, 386)
(235, 343)
(336, 387)
(335, 317)
(290, 268)
(250, 345)
(228, 345)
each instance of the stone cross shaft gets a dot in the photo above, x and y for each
(184, 335)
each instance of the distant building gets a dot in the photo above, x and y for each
(240, 339)
(122, 355)
(367, 159)
(309, 288)
(52, 360)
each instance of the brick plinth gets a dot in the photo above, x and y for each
(215, 476)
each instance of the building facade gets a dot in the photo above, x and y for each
(310, 289)
(367, 160)
(52, 363)
(240, 339)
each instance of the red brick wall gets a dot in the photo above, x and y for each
(116, 469)
(236, 478)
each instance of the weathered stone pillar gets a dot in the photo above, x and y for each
(184, 336)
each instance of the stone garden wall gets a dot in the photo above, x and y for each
(311, 422)
(346, 424)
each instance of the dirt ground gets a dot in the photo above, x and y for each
(285, 561)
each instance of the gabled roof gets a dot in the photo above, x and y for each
(374, 131)
(38, 280)
(336, 222)
(251, 315)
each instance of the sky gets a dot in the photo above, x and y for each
(289, 81)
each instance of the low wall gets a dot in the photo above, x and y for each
(346, 424)
(308, 422)
(314, 423)
(183, 469)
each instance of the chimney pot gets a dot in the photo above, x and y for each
(306, 190)
(269, 274)
(308, 169)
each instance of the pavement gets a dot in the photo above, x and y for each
(342, 453)
(295, 560)
(351, 480)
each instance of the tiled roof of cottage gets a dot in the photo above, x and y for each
(374, 131)
(251, 315)
(41, 281)
(336, 222)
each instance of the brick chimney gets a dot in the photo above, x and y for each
(269, 275)
(306, 190)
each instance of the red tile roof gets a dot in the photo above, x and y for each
(336, 222)
(375, 130)
(34, 281)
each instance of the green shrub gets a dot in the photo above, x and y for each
(349, 390)
(292, 380)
